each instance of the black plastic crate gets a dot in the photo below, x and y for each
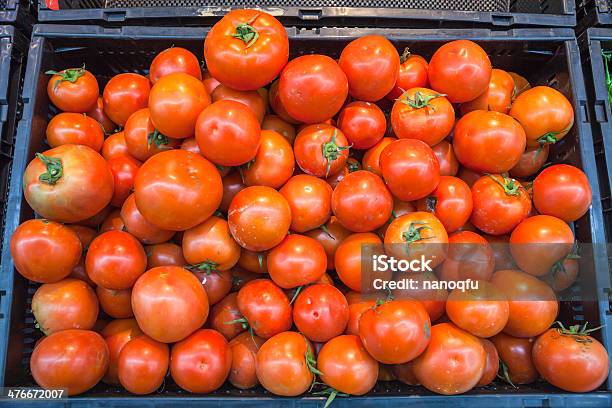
(544, 56)
(17, 12)
(594, 13)
(337, 13)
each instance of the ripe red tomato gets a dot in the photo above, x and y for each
(45, 251)
(67, 304)
(279, 125)
(395, 332)
(265, 308)
(329, 235)
(169, 303)
(544, 113)
(321, 150)
(133, 222)
(113, 222)
(176, 190)
(56, 187)
(173, 60)
(210, 246)
(500, 203)
(321, 312)
(252, 99)
(73, 89)
(74, 128)
(312, 88)
(469, 257)
(85, 234)
(216, 283)
(371, 64)
(143, 364)
(124, 169)
(488, 141)
(273, 163)
(460, 69)
(423, 114)
(164, 254)
(298, 260)
(371, 158)
(363, 123)
(253, 262)
(97, 113)
(491, 364)
(114, 146)
(571, 359)
(348, 260)
(433, 300)
(142, 139)
(209, 82)
(277, 106)
(226, 318)
(351, 166)
(497, 97)
(115, 303)
(531, 161)
(309, 198)
(515, 358)
(410, 169)
(246, 49)
(73, 359)
(244, 350)
(259, 218)
(451, 202)
(117, 334)
(412, 74)
(346, 365)
(124, 94)
(563, 274)
(355, 310)
(202, 362)
(533, 304)
(285, 364)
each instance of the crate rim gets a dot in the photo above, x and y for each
(9, 13)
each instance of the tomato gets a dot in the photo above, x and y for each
(176, 190)
(321, 150)
(73, 359)
(362, 202)
(265, 307)
(533, 305)
(329, 235)
(244, 350)
(246, 49)
(497, 97)
(67, 304)
(209, 82)
(115, 260)
(124, 169)
(423, 114)
(164, 254)
(515, 359)
(395, 332)
(124, 94)
(201, 362)
(371, 158)
(563, 274)
(433, 300)
(115, 303)
(539, 242)
(460, 69)
(571, 359)
(74, 128)
(320, 312)
(499, 204)
(216, 283)
(169, 303)
(226, 318)
(254, 262)
(488, 141)
(415, 235)
(412, 74)
(113, 222)
(45, 251)
(142, 139)
(355, 310)
(346, 366)
(531, 161)
(232, 184)
(85, 234)
(143, 364)
(298, 260)
(135, 223)
(114, 145)
(273, 163)
(285, 364)
(73, 89)
(57, 187)
(351, 166)
(259, 218)
(405, 373)
(348, 260)
(469, 257)
(117, 334)
(279, 125)
(312, 88)
(410, 169)
(491, 364)
(309, 198)
(209, 246)
(363, 123)
(545, 114)
(483, 311)
(252, 99)
(451, 202)
(501, 251)
(173, 60)
(277, 106)
(97, 113)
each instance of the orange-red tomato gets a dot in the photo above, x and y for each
(273, 163)
(298, 260)
(497, 97)
(74, 128)
(143, 364)
(320, 312)
(141, 137)
(363, 123)
(469, 257)
(164, 254)
(321, 150)
(173, 60)
(210, 246)
(449, 166)
(330, 235)
(216, 283)
(73, 89)
(124, 169)
(265, 308)
(451, 202)
(117, 334)
(279, 125)
(115, 303)
(244, 350)
(124, 94)
(412, 74)
(134, 222)
(226, 318)
(348, 260)
(309, 198)
(252, 99)
(114, 146)
(97, 113)
(531, 161)
(491, 364)
(515, 355)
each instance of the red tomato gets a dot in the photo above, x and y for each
(73, 89)
(423, 114)
(113, 222)
(74, 128)
(531, 161)
(453, 362)
(563, 274)
(117, 334)
(410, 169)
(371, 158)
(202, 362)
(246, 49)
(138, 226)
(363, 123)
(254, 262)
(321, 150)
(320, 312)
(173, 60)
(412, 74)
(460, 69)
(469, 257)
(329, 235)
(142, 139)
(85, 234)
(115, 303)
(191, 145)
(371, 65)
(298, 260)
(232, 184)
(277, 106)
(74, 360)
(67, 304)
(515, 359)
(265, 308)
(273, 164)
(210, 246)
(279, 125)
(348, 260)
(355, 310)
(312, 88)
(351, 166)
(497, 97)
(114, 145)
(491, 364)
(216, 283)
(433, 300)
(124, 94)
(244, 356)
(396, 331)
(226, 318)
(451, 202)
(165, 254)
(143, 364)
(309, 198)
(97, 113)
(56, 187)
(209, 82)
(124, 169)
(45, 251)
(252, 99)
(169, 303)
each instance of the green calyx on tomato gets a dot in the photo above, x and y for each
(70, 75)
(206, 266)
(420, 100)
(353, 166)
(503, 373)
(579, 333)
(413, 234)
(311, 362)
(247, 33)
(54, 171)
(511, 186)
(243, 322)
(158, 139)
(548, 138)
(405, 55)
(331, 151)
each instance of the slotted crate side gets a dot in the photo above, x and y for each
(375, 13)
(8, 11)
(591, 13)
(17, 12)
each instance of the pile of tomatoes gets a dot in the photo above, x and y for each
(217, 219)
